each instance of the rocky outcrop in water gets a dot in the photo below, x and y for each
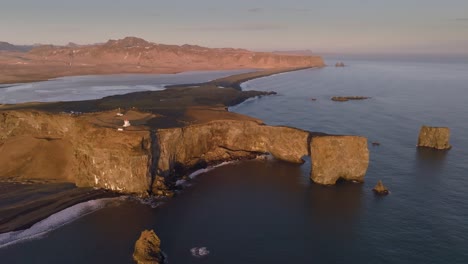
(339, 157)
(339, 64)
(147, 249)
(434, 137)
(380, 189)
(347, 98)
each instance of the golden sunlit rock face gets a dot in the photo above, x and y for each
(147, 248)
(339, 157)
(78, 149)
(434, 137)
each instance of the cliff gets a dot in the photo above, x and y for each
(139, 160)
(434, 137)
(62, 147)
(222, 140)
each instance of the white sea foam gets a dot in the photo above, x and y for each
(55, 221)
(199, 251)
(201, 171)
(249, 100)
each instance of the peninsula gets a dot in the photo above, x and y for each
(173, 132)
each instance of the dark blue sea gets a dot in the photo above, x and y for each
(270, 212)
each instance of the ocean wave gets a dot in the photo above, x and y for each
(194, 174)
(40, 229)
(151, 201)
(199, 251)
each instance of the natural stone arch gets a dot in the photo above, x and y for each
(333, 157)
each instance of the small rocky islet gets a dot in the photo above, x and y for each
(434, 137)
(348, 98)
(380, 189)
(147, 249)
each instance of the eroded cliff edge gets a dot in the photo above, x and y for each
(65, 147)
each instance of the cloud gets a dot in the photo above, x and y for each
(245, 27)
(462, 19)
(255, 10)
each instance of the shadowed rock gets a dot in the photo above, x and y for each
(147, 249)
(347, 98)
(339, 157)
(380, 188)
(434, 137)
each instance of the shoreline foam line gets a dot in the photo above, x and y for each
(55, 221)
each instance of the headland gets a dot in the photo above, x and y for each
(173, 132)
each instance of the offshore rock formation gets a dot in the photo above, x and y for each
(347, 98)
(339, 64)
(147, 249)
(70, 148)
(380, 188)
(434, 137)
(339, 157)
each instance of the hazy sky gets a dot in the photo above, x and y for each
(323, 26)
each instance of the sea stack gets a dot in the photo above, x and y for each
(339, 157)
(434, 137)
(340, 64)
(147, 249)
(380, 189)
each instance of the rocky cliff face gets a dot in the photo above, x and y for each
(147, 249)
(434, 137)
(339, 157)
(62, 147)
(37, 145)
(222, 140)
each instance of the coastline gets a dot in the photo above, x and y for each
(26, 214)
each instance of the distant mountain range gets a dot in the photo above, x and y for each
(136, 55)
(5, 46)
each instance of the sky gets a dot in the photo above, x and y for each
(353, 26)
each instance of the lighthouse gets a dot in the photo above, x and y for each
(126, 123)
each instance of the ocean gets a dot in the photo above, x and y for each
(267, 211)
